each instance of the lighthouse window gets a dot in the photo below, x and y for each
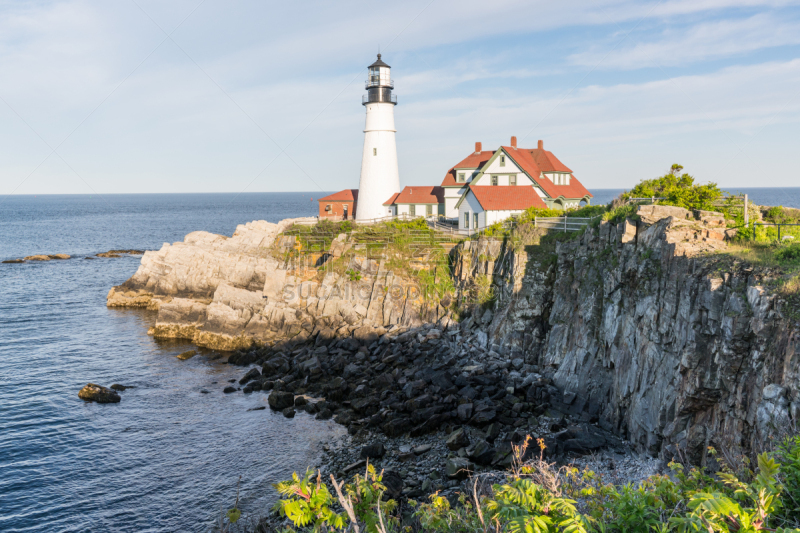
(502, 160)
(374, 151)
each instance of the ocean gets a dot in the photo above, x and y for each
(166, 458)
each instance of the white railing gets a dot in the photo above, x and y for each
(562, 223)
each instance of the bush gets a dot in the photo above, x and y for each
(679, 190)
(588, 211)
(536, 497)
(789, 254)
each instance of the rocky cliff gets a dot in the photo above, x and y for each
(643, 328)
(647, 329)
(234, 293)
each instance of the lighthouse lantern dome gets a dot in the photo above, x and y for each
(379, 84)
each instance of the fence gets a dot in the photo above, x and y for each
(563, 223)
(780, 238)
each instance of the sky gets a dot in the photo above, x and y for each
(146, 96)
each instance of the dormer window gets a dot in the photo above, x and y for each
(502, 160)
(461, 177)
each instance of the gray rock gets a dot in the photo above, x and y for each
(457, 439)
(278, 400)
(374, 450)
(98, 393)
(458, 468)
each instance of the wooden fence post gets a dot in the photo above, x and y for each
(746, 215)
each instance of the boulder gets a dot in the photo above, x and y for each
(229, 389)
(289, 412)
(421, 449)
(279, 400)
(393, 483)
(98, 393)
(252, 374)
(324, 414)
(13, 261)
(650, 214)
(458, 468)
(38, 258)
(481, 452)
(118, 387)
(187, 355)
(457, 439)
(373, 450)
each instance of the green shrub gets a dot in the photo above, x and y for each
(679, 190)
(588, 211)
(788, 457)
(789, 254)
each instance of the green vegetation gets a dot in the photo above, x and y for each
(536, 497)
(679, 190)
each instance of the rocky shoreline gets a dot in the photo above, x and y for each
(645, 329)
(417, 405)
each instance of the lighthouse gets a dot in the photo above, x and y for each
(380, 178)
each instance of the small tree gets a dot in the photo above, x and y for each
(678, 189)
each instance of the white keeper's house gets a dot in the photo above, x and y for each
(490, 186)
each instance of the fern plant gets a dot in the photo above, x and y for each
(525, 507)
(308, 502)
(717, 512)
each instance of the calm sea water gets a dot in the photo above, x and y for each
(167, 457)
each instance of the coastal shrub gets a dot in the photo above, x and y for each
(788, 456)
(789, 254)
(308, 503)
(535, 496)
(782, 215)
(588, 211)
(677, 189)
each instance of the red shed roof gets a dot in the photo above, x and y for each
(473, 160)
(414, 194)
(507, 198)
(347, 195)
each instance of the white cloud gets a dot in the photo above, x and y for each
(699, 42)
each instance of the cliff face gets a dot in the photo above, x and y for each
(233, 293)
(634, 326)
(652, 337)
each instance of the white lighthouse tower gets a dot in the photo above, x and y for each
(380, 178)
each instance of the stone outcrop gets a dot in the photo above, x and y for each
(653, 336)
(98, 393)
(641, 329)
(233, 293)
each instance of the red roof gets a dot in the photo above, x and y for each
(414, 194)
(536, 161)
(347, 195)
(473, 160)
(507, 198)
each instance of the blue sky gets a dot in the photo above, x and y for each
(237, 96)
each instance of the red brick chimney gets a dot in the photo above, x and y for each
(478, 147)
(514, 142)
(541, 145)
